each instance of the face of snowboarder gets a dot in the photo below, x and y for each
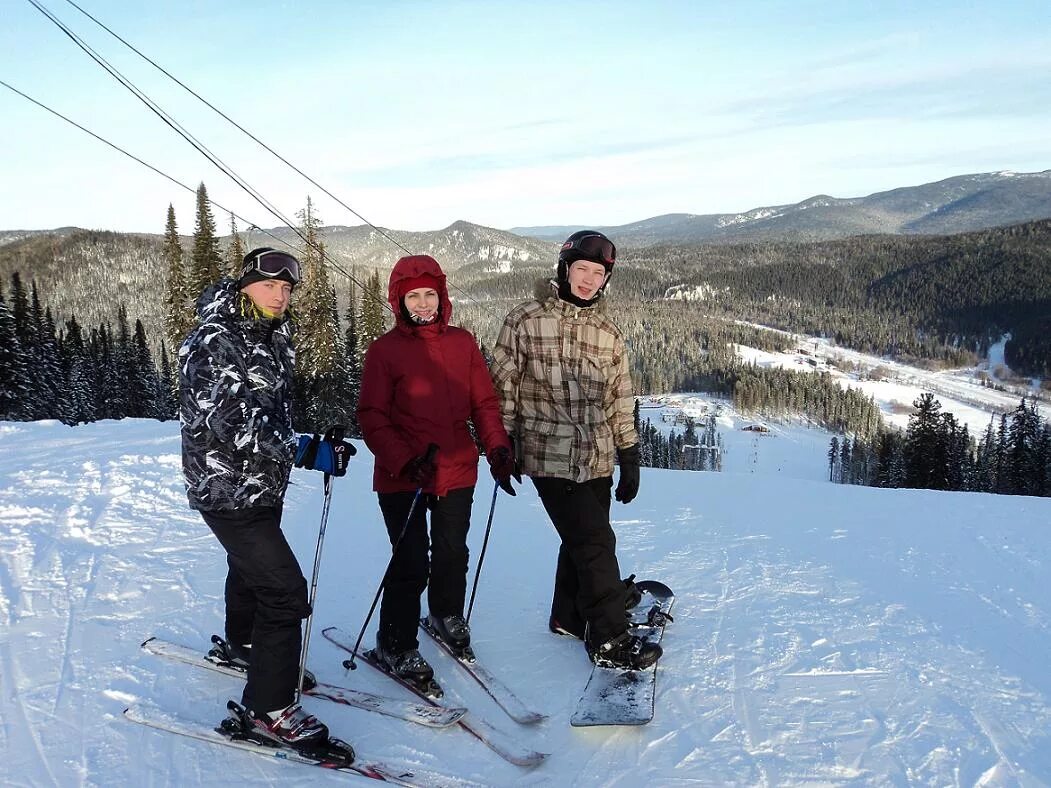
(422, 303)
(270, 296)
(586, 278)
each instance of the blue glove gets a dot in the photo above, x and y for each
(330, 454)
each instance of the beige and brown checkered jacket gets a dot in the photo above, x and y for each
(565, 390)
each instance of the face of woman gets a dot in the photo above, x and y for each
(422, 302)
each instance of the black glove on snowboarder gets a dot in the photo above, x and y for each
(628, 485)
(503, 466)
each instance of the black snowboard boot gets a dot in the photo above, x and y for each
(626, 652)
(632, 595)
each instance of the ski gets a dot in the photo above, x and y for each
(626, 697)
(493, 738)
(498, 691)
(376, 770)
(434, 716)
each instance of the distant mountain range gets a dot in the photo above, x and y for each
(960, 204)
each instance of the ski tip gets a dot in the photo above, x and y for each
(147, 640)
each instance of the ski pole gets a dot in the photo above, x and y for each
(432, 449)
(313, 584)
(481, 557)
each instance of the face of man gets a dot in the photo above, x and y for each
(422, 302)
(270, 295)
(586, 278)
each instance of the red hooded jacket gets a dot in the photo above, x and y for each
(420, 385)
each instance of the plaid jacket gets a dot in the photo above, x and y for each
(565, 390)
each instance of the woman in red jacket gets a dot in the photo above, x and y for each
(422, 381)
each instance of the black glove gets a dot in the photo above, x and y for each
(420, 470)
(628, 485)
(503, 467)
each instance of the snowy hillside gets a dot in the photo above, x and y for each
(825, 634)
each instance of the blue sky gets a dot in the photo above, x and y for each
(519, 113)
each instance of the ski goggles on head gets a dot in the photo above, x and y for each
(272, 263)
(591, 247)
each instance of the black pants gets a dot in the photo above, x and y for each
(410, 565)
(589, 593)
(266, 598)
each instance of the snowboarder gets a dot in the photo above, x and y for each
(562, 373)
(421, 383)
(238, 447)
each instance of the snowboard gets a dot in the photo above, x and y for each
(625, 697)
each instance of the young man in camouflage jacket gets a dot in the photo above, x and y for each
(562, 374)
(238, 447)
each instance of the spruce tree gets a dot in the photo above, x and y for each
(235, 250)
(321, 374)
(143, 382)
(80, 389)
(925, 447)
(206, 261)
(167, 389)
(178, 304)
(373, 305)
(353, 362)
(14, 387)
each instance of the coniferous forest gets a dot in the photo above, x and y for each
(938, 300)
(935, 452)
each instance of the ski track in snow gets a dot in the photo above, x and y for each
(824, 635)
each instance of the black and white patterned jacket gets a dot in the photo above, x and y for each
(235, 403)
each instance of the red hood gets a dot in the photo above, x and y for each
(410, 268)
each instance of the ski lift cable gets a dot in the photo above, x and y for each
(159, 111)
(131, 156)
(186, 135)
(253, 137)
(236, 125)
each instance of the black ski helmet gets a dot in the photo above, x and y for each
(586, 245)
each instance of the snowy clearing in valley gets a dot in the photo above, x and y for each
(824, 634)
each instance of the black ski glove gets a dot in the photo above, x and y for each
(503, 467)
(628, 485)
(420, 470)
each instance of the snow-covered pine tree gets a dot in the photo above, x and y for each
(178, 306)
(80, 388)
(321, 375)
(925, 460)
(373, 305)
(354, 359)
(235, 249)
(14, 384)
(47, 362)
(206, 261)
(167, 388)
(143, 380)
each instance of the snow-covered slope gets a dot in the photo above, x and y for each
(825, 634)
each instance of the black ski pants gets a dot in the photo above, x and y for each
(266, 598)
(589, 593)
(446, 566)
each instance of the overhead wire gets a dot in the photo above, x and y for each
(382, 232)
(198, 145)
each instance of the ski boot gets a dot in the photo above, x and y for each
(454, 632)
(238, 657)
(409, 667)
(290, 727)
(625, 652)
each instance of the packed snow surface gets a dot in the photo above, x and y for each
(824, 634)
